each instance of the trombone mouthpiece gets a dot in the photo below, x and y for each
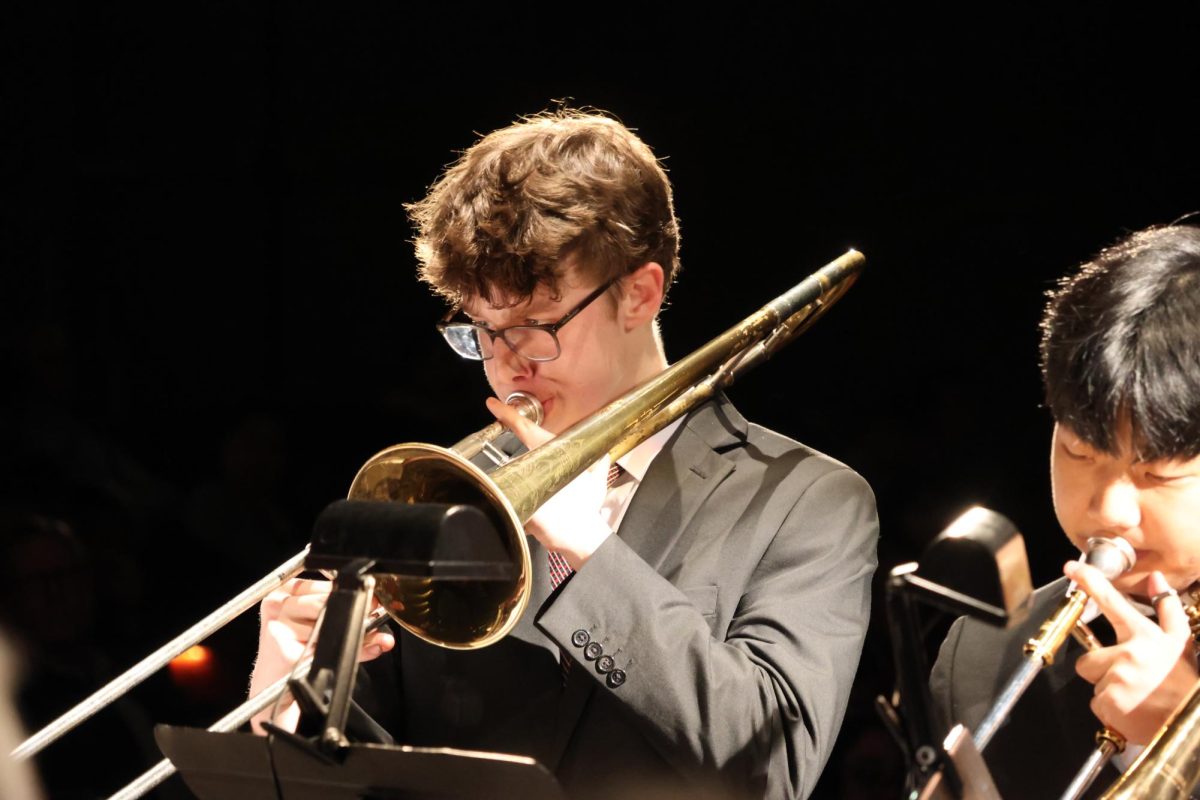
(1112, 556)
(526, 405)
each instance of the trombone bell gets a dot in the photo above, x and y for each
(459, 615)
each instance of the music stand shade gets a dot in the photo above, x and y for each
(982, 555)
(237, 766)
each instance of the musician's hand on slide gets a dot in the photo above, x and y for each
(1140, 680)
(569, 523)
(287, 618)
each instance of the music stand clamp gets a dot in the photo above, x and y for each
(976, 567)
(324, 694)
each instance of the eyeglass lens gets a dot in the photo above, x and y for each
(471, 341)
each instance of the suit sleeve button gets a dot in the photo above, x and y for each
(605, 664)
(593, 651)
(616, 678)
(580, 637)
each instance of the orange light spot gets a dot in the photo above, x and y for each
(194, 656)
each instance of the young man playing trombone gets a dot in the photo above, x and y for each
(1121, 362)
(696, 615)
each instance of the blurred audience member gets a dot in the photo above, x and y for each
(17, 781)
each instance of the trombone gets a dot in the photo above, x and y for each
(468, 615)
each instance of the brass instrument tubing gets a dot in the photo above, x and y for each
(97, 701)
(1083, 634)
(235, 719)
(637, 415)
(1039, 652)
(1169, 767)
(1112, 556)
(1008, 698)
(230, 722)
(160, 657)
(522, 485)
(1108, 741)
(1090, 770)
(526, 405)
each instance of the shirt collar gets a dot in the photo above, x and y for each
(637, 461)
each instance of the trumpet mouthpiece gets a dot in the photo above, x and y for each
(1111, 555)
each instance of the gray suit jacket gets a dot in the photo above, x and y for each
(734, 601)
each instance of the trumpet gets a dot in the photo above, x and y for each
(467, 615)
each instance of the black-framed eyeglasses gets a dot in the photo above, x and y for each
(534, 342)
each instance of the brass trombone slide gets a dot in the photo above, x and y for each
(139, 672)
(1108, 742)
(528, 407)
(234, 719)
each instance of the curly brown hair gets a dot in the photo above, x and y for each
(559, 185)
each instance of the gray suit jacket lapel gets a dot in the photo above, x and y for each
(679, 480)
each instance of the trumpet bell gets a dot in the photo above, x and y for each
(455, 614)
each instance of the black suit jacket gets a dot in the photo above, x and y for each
(734, 600)
(1051, 730)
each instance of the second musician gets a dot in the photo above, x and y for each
(1121, 363)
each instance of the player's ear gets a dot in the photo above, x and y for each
(641, 295)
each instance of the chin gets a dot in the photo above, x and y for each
(1131, 583)
(1134, 583)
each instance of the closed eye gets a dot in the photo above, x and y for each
(1074, 456)
(1168, 478)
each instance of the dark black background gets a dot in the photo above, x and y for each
(205, 254)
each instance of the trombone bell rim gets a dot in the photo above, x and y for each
(406, 473)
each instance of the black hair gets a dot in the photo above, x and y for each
(1121, 340)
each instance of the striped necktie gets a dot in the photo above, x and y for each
(560, 570)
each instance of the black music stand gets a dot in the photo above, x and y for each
(360, 539)
(977, 567)
(241, 766)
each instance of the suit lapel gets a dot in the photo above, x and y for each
(679, 480)
(675, 486)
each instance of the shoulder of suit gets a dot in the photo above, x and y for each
(775, 444)
(771, 447)
(754, 449)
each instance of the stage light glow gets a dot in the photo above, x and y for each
(192, 665)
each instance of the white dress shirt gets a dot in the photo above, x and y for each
(635, 463)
